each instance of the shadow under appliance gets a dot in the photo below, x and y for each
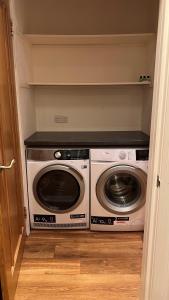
(58, 188)
(118, 189)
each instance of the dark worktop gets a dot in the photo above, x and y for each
(88, 139)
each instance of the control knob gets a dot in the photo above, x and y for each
(122, 155)
(58, 154)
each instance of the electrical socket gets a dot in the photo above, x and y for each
(60, 119)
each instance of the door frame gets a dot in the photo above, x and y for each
(153, 285)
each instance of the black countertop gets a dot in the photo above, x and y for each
(88, 139)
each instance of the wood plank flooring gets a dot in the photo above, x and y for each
(80, 265)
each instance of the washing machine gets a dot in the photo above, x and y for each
(58, 188)
(118, 189)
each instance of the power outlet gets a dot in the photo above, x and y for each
(60, 119)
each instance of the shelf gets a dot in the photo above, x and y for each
(90, 60)
(146, 83)
(107, 39)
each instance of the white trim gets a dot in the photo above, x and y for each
(121, 83)
(153, 278)
(106, 39)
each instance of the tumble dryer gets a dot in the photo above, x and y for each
(58, 188)
(118, 189)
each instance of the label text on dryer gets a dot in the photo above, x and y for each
(77, 216)
(44, 218)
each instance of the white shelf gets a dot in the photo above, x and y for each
(145, 83)
(89, 60)
(107, 39)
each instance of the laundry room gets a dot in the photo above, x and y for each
(84, 75)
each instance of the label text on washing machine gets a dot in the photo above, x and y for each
(103, 220)
(107, 220)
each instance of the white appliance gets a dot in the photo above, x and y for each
(58, 188)
(118, 189)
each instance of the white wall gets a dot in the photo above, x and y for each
(148, 93)
(17, 10)
(89, 108)
(90, 16)
(146, 112)
(121, 62)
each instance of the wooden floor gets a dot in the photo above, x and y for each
(80, 265)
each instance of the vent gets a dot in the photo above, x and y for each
(69, 225)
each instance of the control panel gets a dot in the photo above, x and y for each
(113, 155)
(72, 154)
(57, 153)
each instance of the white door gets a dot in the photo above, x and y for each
(155, 273)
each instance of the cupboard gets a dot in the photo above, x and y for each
(78, 65)
(82, 18)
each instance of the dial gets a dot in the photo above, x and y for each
(58, 154)
(122, 155)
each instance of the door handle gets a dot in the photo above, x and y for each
(8, 166)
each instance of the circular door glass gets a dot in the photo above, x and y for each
(121, 189)
(58, 189)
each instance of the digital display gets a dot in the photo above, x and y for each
(44, 218)
(142, 154)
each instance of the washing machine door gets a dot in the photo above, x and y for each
(58, 188)
(122, 189)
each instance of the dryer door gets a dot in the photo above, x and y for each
(58, 188)
(122, 189)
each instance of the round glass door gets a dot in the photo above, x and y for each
(121, 189)
(58, 188)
